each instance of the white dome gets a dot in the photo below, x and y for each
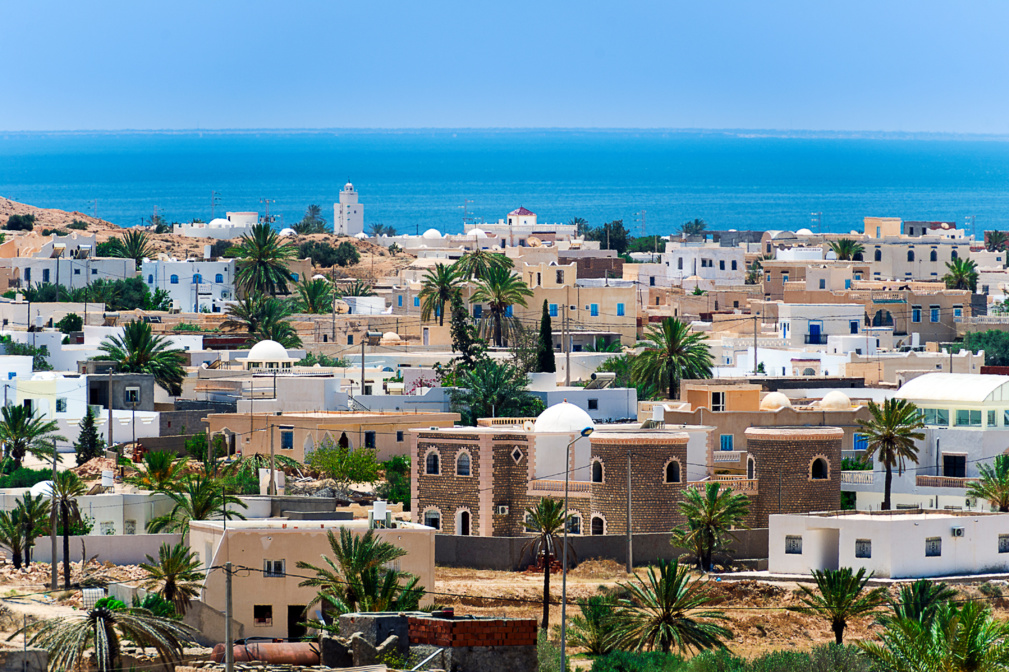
(267, 351)
(319, 277)
(288, 232)
(835, 401)
(774, 401)
(479, 233)
(348, 187)
(563, 417)
(219, 221)
(361, 235)
(432, 234)
(390, 336)
(803, 232)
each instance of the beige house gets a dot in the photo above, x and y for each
(266, 598)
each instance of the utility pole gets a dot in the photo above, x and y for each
(229, 637)
(110, 410)
(754, 345)
(52, 531)
(567, 342)
(630, 536)
(273, 474)
(466, 218)
(641, 218)
(333, 283)
(364, 339)
(817, 221)
(215, 198)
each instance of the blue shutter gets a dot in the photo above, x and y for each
(553, 310)
(594, 310)
(477, 312)
(726, 441)
(620, 310)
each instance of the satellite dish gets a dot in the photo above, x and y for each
(528, 425)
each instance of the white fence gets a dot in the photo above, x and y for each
(119, 549)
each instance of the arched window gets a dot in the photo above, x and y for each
(857, 257)
(598, 525)
(150, 279)
(432, 518)
(952, 255)
(431, 464)
(197, 278)
(933, 256)
(174, 279)
(751, 468)
(808, 372)
(878, 256)
(574, 524)
(910, 255)
(819, 470)
(294, 276)
(462, 465)
(597, 471)
(673, 472)
(462, 523)
(219, 278)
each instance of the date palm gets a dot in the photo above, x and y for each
(67, 487)
(133, 245)
(918, 601)
(671, 354)
(500, 289)
(665, 609)
(847, 249)
(12, 536)
(890, 434)
(711, 516)
(439, 284)
(198, 497)
(357, 288)
(22, 432)
(592, 629)
(138, 350)
(995, 240)
(33, 513)
(315, 296)
(961, 274)
(275, 324)
(263, 268)
(175, 575)
(993, 484)
(162, 472)
(546, 521)
(840, 596)
(477, 263)
(492, 389)
(68, 638)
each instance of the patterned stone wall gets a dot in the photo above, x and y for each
(447, 491)
(511, 483)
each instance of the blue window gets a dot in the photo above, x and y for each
(94, 271)
(294, 276)
(860, 442)
(11, 375)
(197, 278)
(847, 283)
(219, 278)
(933, 313)
(620, 310)
(28, 275)
(174, 280)
(477, 312)
(508, 311)
(553, 310)
(594, 310)
(150, 279)
(287, 440)
(416, 302)
(45, 275)
(399, 300)
(726, 441)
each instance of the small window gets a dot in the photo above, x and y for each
(721, 264)
(45, 275)
(416, 302)
(369, 440)
(651, 281)
(1003, 543)
(399, 301)
(933, 256)
(819, 471)
(574, 524)
(597, 471)
(107, 527)
(61, 405)
(726, 442)
(933, 547)
(219, 278)
(295, 277)
(784, 277)
(593, 310)
(432, 519)
(150, 279)
(262, 614)
(197, 278)
(593, 404)
(462, 465)
(916, 313)
(174, 279)
(620, 310)
(679, 264)
(718, 401)
(94, 271)
(957, 311)
(287, 440)
(954, 466)
(431, 464)
(853, 326)
(77, 271)
(878, 255)
(734, 266)
(598, 525)
(273, 568)
(553, 310)
(968, 418)
(768, 277)
(992, 417)
(910, 255)
(673, 472)
(933, 312)
(953, 255)
(793, 544)
(560, 277)
(399, 436)
(477, 312)
(859, 441)
(131, 395)
(516, 455)
(350, 339)
(823, 283)
(863, 548)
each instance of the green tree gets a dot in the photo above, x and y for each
(711, 516)
(396, 487)
(263, 269)
(890, 435)
(464, 337)
(20, 223)
(546, 522)
(133, 245)
(312, 222)
(840, 596)
(138, 350)
(993, 484)
(102, 629)
(476, 264)
(315, 296)
(12, 536)
(592, 630)
(264, 318)
(847, 249)
(621, 365)
(33, 513)
(378, 230)
(175, 575)
(347, 254)
(611, 236)
(198, 497)
(994, 343)
(162, 471)
(39, 355)
(672, 353)
(694, 227)
(545, 350)
(67, 487)
(995, 240)
(70, 323)
(492, 390)
(22, 432)
(666, 609)
(437, 289)
(961, 274)
(343, 465)
(647, 244)
(919, 601)
(320, 252)
(356, 288)
(500, 290)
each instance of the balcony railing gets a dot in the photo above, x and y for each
(857, 477)
(746, 486)
(943, 481)
(575, 488)
(728, 455)
(816, 339)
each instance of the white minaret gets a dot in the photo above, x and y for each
(348, 214)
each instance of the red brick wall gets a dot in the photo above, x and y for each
(472, 632)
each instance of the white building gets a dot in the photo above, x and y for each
(898, 545)
(704, 265)
(521, 229)
(236, 225)
(70, 273)
(811, 324)
(348, 214)
(194, 285)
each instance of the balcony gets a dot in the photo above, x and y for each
(746, 486)
(943, 481)
(728, 455)
(857, 477)
(551, 486)
(816, 339)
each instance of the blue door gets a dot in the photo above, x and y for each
(814, 333)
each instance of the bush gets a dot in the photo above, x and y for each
(78, 225)
(20, 223)
(157, 605)
(347, 254)
(990, 590)
(70, 323)
(834, 658)
(638, 661)
(321, 253)
(718, 661)
(25, 478)
(219, 248)
(548, 655)
(49, 232)
(396, 487)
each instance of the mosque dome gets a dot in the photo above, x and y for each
(288, 232)
(361, 235)
(432, 234)
(391, 336)
(348, 187)
(219, 221)
(479, 233)
(318, 276)
(774, 401)
(835, 401)
(803, 232)
(268, 351)
(563, 417)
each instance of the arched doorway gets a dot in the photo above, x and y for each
(598, 525)
(462, 525)
(344, 441)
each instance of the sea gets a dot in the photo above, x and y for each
(416, 180)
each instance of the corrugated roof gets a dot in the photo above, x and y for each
(953, 387)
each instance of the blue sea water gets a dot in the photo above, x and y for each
(416, 180)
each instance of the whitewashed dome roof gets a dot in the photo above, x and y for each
(390, 336)
(479, 233)
(563, 417)
(287, 232)
(219, 221)
(361, 235)
(774, 401)
(268, 351)
(432, 234)
(835, 401)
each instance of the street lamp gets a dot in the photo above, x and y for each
(564, 551)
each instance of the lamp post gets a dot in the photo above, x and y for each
(564, 550)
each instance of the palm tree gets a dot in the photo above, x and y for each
(33, 512)
(477, 263)
(199, 497)
(579, 223)
(312, 222)
(357, 288)
(546, 520)
(263, 269)
(671, 354)
(665, 609)
(600, 345)
(138, 350)
(694, 227)
(357, 578)
(162, 472)
(275, 324)
(12, 536)
(995, 240)
(23, 432)
(840, 596)
(492, 389)
(918, 601)
(245, 314)
(891, 433)
(592, 630)
(710, 518)
(67, 487)
(961, 274)
(993, 484)
(378, 230)
(439, 285)
(501, 290)
(67, 638)
(175, 575)
(315, 296)
(960, 638)
(847, 249)
(133, 245)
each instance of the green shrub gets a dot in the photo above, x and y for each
(110, 603)
(990, 590)
(396, 486)
(78, 225)
(779, 661)
(49, 232)
(640, 661)
(718, 661)
(156, 604)
(25, 478)
(70, 323)
(834, 658)
(549, 655)
(20, 223)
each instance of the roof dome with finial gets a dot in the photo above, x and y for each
(563, 417)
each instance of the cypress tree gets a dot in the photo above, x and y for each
(545, 351)
(89, 445)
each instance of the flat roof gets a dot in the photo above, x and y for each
(954, 387)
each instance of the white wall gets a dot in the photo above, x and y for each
(117, 549)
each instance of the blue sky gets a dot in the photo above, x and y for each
(886, 66)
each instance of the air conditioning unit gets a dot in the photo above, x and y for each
(501, 509)
(957, 531)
